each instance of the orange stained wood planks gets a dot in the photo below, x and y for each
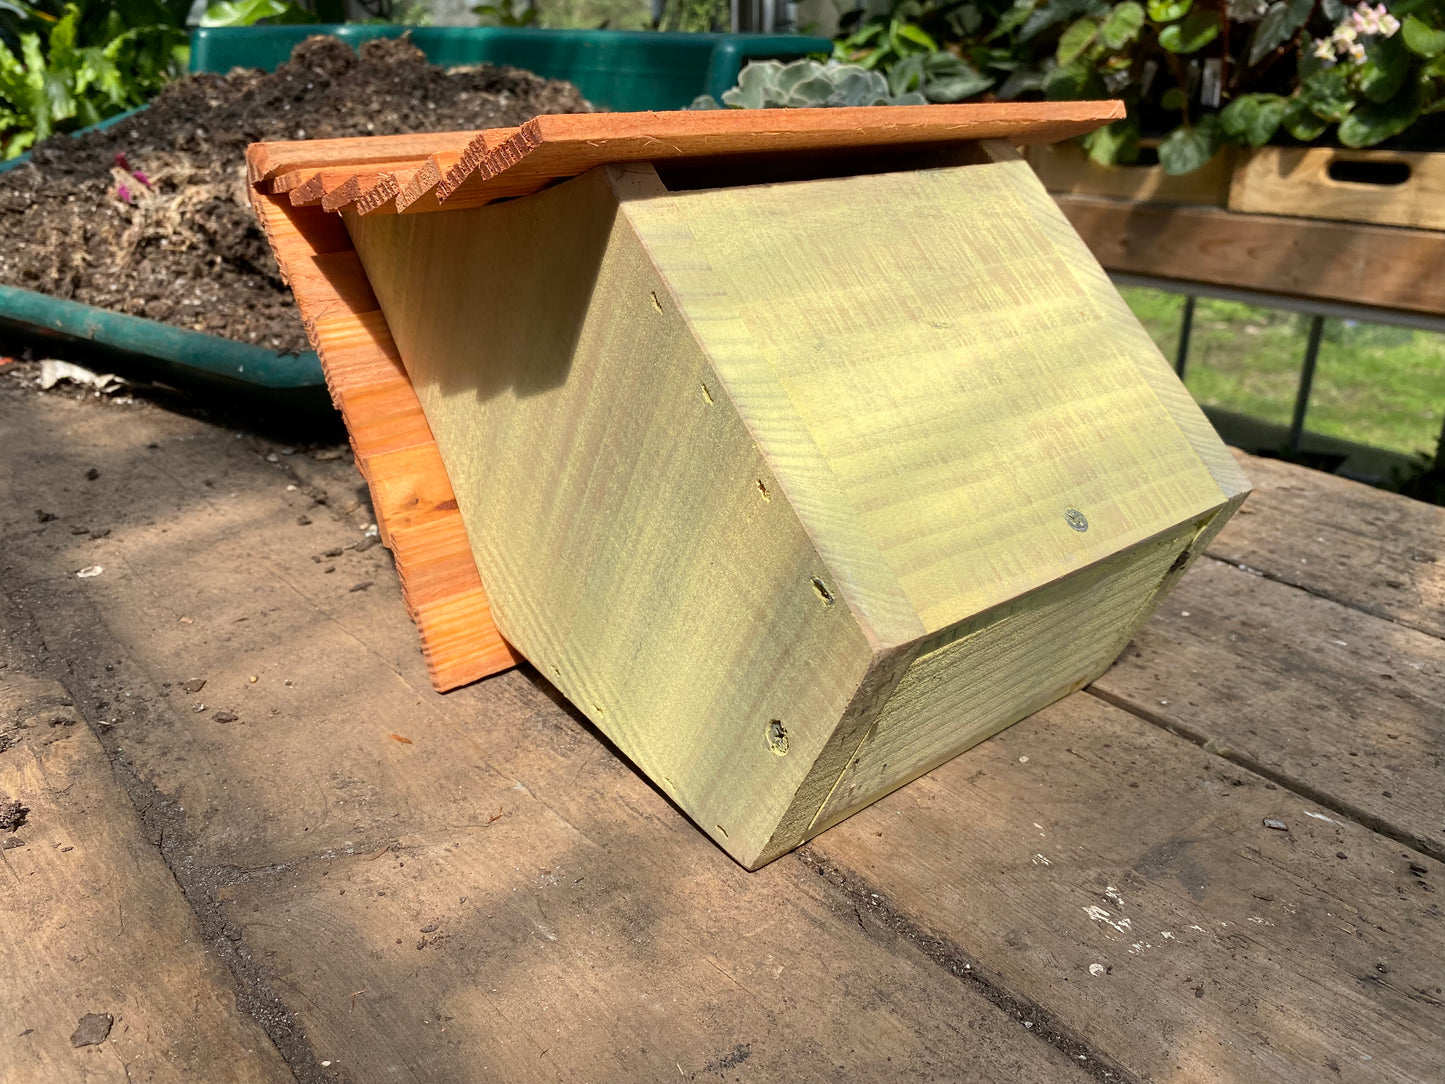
(416, 511)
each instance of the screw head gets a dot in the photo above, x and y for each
(1076, 519)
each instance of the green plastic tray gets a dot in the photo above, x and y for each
(619, 70)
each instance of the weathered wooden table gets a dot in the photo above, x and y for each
(1222, 862)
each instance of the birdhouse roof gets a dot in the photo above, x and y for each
(454, 170)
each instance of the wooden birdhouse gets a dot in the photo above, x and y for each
(800, 449)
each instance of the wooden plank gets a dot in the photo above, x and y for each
(347, 184)
(1298, 181)
(93, 922)
(582, 929)
(1067, 168)
(1374, 551)
(265, 161)
(1124, 881)
(422, 184)
(1345, 707)
(979, 348)
(1361, 265)
(416, 511)
(550, 147)
(381, 196)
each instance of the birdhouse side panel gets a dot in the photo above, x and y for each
(966, 389)
(1005, 665)
(634, 542)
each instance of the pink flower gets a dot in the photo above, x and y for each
(120, 162)
(139, 174)
(1364, 21)
(123, 194)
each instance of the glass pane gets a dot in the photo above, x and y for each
(1246, 359)
(1378, 385)
(1160, 313)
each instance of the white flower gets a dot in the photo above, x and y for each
(1389, 25)
(1357, 53)
(1364, 21)
(1323, 49)
(1344, 37)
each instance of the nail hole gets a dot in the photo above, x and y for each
(823, 592)
(764, 490)
(656, 304)
(706, 394)
(778, 738)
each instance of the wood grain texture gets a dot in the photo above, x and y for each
(587, 933)
(919, 396)
(265, 161)
(356, 185)
(551, 147)
(91, 920)
(416, 511)
(1066, 168)
(874, 434)
(1377, 552)
(674, 657)
(1357, 264)
(1097, 865)
(1297, 181)
(1003, 666)
(1343, 706)
(422, 184)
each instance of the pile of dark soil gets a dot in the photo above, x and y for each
(150, 217)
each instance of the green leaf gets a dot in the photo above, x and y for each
(1072, 82)
(1327, 94)
(950, 79)
(1299, 122)
(1280, 23)
(1188, 147)
(1123, 25)
(1174, 98)
(1253, 118)
(1075, 40)
(907, 75)
(1114, 143)
(755, 82)
(916, 35)
(1373, 122)
(1012, 19)
(251, 12)
(1420, 39)
(1166, 11)
(1058, 11)
(1387, 62)
(1197, 30)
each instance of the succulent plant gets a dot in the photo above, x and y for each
(771, 84)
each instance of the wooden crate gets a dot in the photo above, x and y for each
(1064, 168)
(796, 489)
(1387, 188)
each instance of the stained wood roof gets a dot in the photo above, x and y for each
(443, 170)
